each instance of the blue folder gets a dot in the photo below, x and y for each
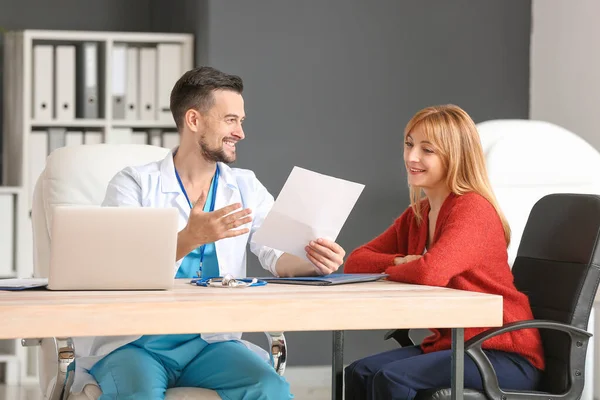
(327, 280)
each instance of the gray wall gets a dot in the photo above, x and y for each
(331, 84)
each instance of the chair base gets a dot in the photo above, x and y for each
(446, 394)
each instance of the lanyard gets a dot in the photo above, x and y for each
(214, 186)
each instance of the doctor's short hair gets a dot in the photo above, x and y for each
(195, 90)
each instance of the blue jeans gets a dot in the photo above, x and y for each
(398, 374)
(145, 369)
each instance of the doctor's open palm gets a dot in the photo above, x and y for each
(208, 227)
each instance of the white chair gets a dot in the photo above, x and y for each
(528, 159)
(79, 175)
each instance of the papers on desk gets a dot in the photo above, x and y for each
(22, 284)
(310, 206)
(327, 280)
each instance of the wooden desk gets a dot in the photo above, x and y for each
(274, 307)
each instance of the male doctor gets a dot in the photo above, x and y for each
(219, 208)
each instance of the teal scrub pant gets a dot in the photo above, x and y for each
(144, 369)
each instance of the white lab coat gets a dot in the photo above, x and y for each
(155, 185)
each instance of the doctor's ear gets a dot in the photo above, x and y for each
(192, 119)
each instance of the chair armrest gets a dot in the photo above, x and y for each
(399, 335)
(65, 352)
(277, 351)
(579, 339)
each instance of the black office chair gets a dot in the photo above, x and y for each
(558, 267)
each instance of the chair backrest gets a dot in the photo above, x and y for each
(78, 175)
(528, 159)
(558, 268)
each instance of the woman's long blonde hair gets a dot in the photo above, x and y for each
(454, 135)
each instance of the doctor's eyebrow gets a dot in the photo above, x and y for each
(233, 116)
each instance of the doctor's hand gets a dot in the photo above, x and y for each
(404, 260)
(208, 227)
(325, 255)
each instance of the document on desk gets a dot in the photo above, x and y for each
(22, 284)
(310, 206)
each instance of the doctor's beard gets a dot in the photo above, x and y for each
(214, 155)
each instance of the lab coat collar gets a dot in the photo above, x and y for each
(169, 182)
(227, 182)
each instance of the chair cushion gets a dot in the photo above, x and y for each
(446, 394)
(92, 392)
(505, 141)
(191, 394)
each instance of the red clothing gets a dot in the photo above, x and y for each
(468, 253)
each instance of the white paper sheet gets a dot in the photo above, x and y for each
(310, 206)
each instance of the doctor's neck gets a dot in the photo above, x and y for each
(191, 164)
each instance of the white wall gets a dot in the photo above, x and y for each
(565, 88)
(565, 66)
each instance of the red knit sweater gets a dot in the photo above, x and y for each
(468, 253)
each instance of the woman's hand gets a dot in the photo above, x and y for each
(404, 260)
(326, 256)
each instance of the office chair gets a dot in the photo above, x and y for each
(558, 266)
(79, 175)
(528, 159)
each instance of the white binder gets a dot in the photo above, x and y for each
(170, 140)
(119, 76)
(64, 99)
(56, 138)
(139, 137)
(148, 81)
(7, 233)
(118, 136)
(43, 78)
(92, 137)
(132, 84)
(73, 138)
(155, 137)
(38, 151)
(169, 70)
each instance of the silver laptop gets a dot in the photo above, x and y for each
(112, 248)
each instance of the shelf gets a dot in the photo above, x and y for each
(152, 61)
(8, 357)
(143, 124)
(10, 190)
(101, 36)
(76, 123)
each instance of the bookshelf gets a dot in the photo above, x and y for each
(64, 88)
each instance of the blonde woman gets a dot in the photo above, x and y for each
(455, 236)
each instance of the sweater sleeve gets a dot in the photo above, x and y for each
(461, 246)
(378, 254)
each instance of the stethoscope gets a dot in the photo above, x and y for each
(228, 281)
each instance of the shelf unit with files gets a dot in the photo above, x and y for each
(67, 88)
